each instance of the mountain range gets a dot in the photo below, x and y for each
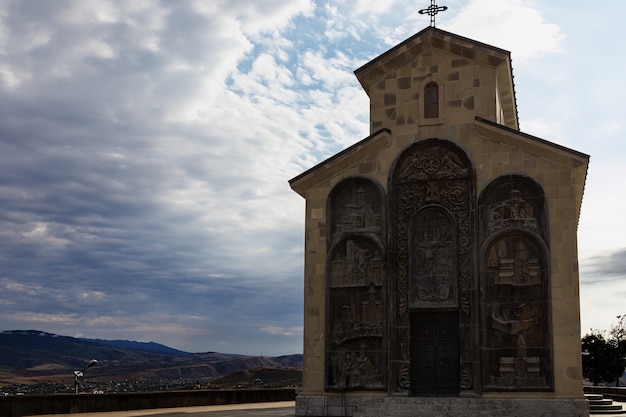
(28, 356)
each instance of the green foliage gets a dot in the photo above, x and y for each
(596, 354)
(618, 344)
(604, 357)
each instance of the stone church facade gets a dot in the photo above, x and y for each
(441, 251)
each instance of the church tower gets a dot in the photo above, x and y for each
(440, 252)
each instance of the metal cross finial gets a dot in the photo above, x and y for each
(432, 10)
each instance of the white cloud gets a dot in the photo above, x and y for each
(598, 311)
(611, 128)
(10, 78)
(514, 25)
(292, 331)
(145, 150)
(40, 319)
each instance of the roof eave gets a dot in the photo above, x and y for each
(338, 162)
(577, 162)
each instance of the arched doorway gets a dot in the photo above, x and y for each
(432, 329)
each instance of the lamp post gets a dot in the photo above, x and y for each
(619, 332)
(79, 375)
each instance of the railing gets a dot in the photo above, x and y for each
(29, 405)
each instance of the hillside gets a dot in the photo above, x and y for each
(266, 377)
(25, 350)
(30, 356)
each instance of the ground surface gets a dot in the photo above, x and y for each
(275, 409)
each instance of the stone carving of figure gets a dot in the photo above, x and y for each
(356, 266)
(432, 261)
(514, 212)
(367, 371)
(517, 322)
(357, 371)
(359, 214)
(351, 370)
(371, 308)
(521, 265)
(436, 163)
(347, 312)
(519, 268)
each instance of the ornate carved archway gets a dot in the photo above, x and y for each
(431, 192)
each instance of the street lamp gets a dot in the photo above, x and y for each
(79, 375)
(619, 333)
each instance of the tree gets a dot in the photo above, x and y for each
(618, 345)
(604, 358)
(595, 350)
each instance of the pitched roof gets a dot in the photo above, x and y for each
(507, 133)
(433, 38)
(329, 167)
(492, 129)
(576, 161)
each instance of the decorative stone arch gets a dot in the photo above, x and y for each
(514, 274)
(431, 177)
(356, 287)
(356, 205)
(519, 193)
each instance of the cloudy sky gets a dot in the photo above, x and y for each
(146, 148)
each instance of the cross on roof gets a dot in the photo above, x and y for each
(432, 10)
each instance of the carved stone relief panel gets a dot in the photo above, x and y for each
(432, 173)
(356, 205)
(513, 202)
(433, 279)
(356, 263)
(355, 355)
(516, 349)
(515, 278)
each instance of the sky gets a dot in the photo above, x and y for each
(146, 148)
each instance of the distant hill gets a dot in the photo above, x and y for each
(141, 346)
(30, 355)
(26, 349)
(264, 376)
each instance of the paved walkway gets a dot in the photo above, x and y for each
(270, 409)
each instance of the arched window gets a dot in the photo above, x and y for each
(431, 100)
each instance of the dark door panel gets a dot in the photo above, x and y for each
(435, 356)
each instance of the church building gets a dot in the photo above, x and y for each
(441, 265)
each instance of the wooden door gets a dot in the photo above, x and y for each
(435, 355)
